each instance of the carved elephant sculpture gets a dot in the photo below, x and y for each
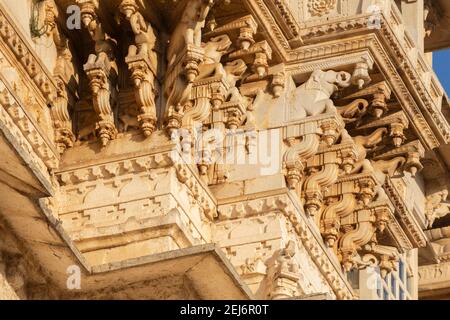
(313, 97)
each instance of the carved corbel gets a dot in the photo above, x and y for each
(142, 63)
(412, 151)
(361, 75)
(348, 158)
(330, 131)
(246, 27)
(378, 94)
(143, 79)
(330, 220)
(383, 216)
(174, 119)
(245, 39)
(100, 86)
(87, 10)
(354, 238)
(299, 150)
(233, 114)
(62, 121)
(367, 190)
(379, 104)
(278, 83)
(314, 185)
(257, 56)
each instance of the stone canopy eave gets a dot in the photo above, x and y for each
(223, 282)
(407, 84)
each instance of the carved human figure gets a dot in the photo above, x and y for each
(436, 207)
(188, 30)
(313, 97)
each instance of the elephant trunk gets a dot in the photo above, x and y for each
(343, 79)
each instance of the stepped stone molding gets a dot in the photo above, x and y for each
(41, 156)
(302, 229)
(26, 57)
(412, 226)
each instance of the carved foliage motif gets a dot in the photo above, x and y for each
(321, 7)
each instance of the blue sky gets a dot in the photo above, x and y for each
(441, 65)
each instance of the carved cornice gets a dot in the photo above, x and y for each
(413, 102)
(25, 55)
(21, 127)
(412, 227)
(76, 177)
(278, 40)
(286, 19)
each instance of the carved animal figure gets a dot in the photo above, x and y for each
(104, 45)
(354, 111)
(145, 38)
(128, 121)
(234, 72)
(314, 95)
(86, 125)
(188, 30)
(214, 50)
(363, 144)
(388, 166)
(436, 207)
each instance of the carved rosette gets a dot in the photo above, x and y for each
(321, 7)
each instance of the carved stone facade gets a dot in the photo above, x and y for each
(275, 149)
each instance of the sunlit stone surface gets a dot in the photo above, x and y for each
(223, 149)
